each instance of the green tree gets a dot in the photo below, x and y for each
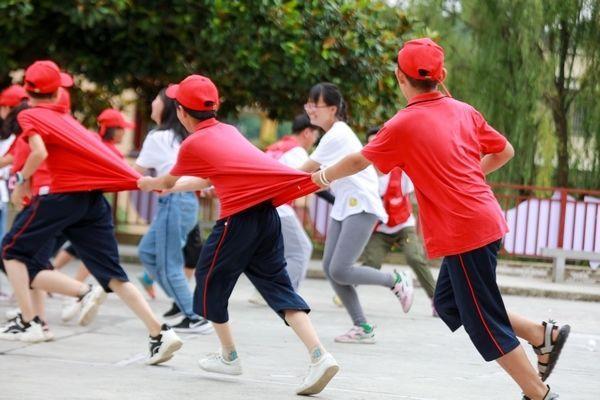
(531, 67)
(260, 53)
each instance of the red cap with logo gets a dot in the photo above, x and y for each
(44, 77)
(422, 59)
(196, 92)
(111, 118)
(12, 96)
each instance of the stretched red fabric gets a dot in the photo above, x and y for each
(243, 175)
(77, 160)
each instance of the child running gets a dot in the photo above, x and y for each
(161, 248)
(81, 167)
(247, 237)
(356, 210)
(447, 148)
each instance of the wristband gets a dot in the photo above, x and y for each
(324, 178)
(20, 178)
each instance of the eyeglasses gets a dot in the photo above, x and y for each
(313, 106)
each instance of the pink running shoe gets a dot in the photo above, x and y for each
(363, 333)
(404, 290)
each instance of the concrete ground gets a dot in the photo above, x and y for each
(416, 356)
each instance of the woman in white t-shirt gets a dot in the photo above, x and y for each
(161, 248)
(356, 209)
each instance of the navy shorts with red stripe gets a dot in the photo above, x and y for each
(85, 218)
(467, 295)
(248, 242)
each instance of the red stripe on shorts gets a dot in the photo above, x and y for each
(487, 328)
(23, 228)
(212, 266)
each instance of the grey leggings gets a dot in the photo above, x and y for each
(345, 242)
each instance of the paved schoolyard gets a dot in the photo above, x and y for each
(415, 358)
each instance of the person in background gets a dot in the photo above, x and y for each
(161, 248)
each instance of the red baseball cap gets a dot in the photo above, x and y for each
(64, 99)
(12, 96)
(111, 118)
(195, 92)
(422, 59)
(45, 77)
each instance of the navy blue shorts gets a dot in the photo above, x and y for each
(467, 295)
(249, 242)
(85, 218)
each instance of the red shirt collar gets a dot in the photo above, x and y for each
(205, 124)
(429, 96)
(53, 106)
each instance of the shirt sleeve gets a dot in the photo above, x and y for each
(148, 155)
(27, 124)
(383, 151)
(326, 151)
(191, 162)
(490, 140)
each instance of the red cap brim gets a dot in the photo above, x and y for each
(171, 91)
(66, 80)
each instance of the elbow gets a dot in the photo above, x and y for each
(509, 151)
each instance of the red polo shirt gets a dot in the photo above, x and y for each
(242, 175)
(439, 141)
(77, 160)
(41, 178)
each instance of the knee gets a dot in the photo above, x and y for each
(338, 275)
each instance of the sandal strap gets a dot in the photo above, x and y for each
(542, 367)
(548, 345)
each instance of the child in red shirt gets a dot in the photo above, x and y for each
(247, 237)
(446, 147)
(81, 168)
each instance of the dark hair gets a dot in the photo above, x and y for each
(41, 96)
(10, 125)
(168, 117)
(301, 122)
(199, 115)
(331, 96)
(423, 85)
(109, 134)
(372, 131)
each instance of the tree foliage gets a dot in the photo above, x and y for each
(264, 53)
(531, 66)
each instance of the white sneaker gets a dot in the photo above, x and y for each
(90, 304)
(48, 335)
(364, 334)
(216, 363)
(13, 329)
(319, 375)
(404, 289)
(257, 299)
(71, 307)
(12, 313)
(33, 332)
(163, 347)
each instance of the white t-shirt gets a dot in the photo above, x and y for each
(293, 158)
(407, 187)
(159, 151)
(355, 193)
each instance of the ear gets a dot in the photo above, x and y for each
(444, 74)
(400, 77)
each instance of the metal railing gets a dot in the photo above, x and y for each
(537, 217)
